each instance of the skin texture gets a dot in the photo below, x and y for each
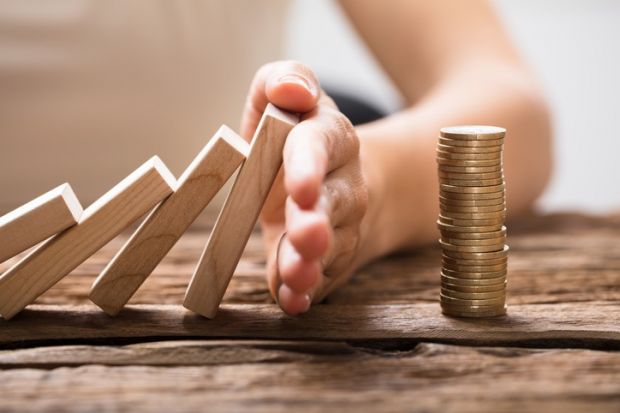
(346, 195)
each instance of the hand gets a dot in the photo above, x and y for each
(320, 195)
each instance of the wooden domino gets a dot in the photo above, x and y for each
(204, 177)
(100, 222)
(38, 220)
(239, 214)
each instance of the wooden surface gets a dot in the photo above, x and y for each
(202, 179)
(379, 344)
(38, 220)
(239, 213)
(101, 222)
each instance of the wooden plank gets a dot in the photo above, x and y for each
(239, 214)
(204, 177)
(102, 221)
(38, 220)
(591, 324)
(261, 377)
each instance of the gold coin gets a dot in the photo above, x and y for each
(467, 303)
(472, 132)
(470, 169)
(470, 176)
(476, 215)
(473, 242)
(469, 150)
(469, 156)
(471, 144)
(472, 248)
(477, 255)
(473, 275)
(473, 190)
(472, 202)
(451, 312)
(461, 162)
(473, 261)
(469, 282)
(470, 209)
(472, 222)
(449, 228)
(475, 288)
(472, 182)
(475, 268)
(455, 196)
(473, 296)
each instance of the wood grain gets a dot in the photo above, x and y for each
(102, 221)
(204, 177)
(38, 220)
(310, 377)
(592, 325)
(239, 214)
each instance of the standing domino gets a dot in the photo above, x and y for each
(102, 221)
(38, 220)
(207, 173)
(238, 217)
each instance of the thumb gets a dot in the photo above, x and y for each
(289, 85)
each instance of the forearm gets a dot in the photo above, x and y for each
(398, 153)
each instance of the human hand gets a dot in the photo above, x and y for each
(311, 220)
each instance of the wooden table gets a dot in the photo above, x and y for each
(379, 344)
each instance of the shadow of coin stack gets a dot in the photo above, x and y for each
(471, 221)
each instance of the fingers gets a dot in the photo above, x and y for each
(287, 84)
(321, 143)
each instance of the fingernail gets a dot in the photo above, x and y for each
(299, 80)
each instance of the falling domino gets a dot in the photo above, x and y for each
(102, 221)
(204, 177)
(239, 214)
(38, 220)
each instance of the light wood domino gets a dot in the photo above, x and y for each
(38, 220)
(239, 214)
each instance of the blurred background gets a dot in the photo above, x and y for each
(574, 47)
(92, 89)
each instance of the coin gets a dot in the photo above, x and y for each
(470, 169)
(477, 255)
(472, 182)
(462, 162)
(466, 242)
(468, 303)
(475, 268)
(473, 222)
(449, 228)
(471, 209)
(470, 143)
(467, 282)
(473, 275)
(472, 132)
(472, 248)
(473, 296)
(469, 150)
(472, 202)
(468, 156)
(476, 215)
(469, 176)
(475, 288)
(454, 196)
(495, 312)
(475, 190)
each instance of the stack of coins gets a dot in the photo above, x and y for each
(471, 221)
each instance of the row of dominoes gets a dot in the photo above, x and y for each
(74, 235)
